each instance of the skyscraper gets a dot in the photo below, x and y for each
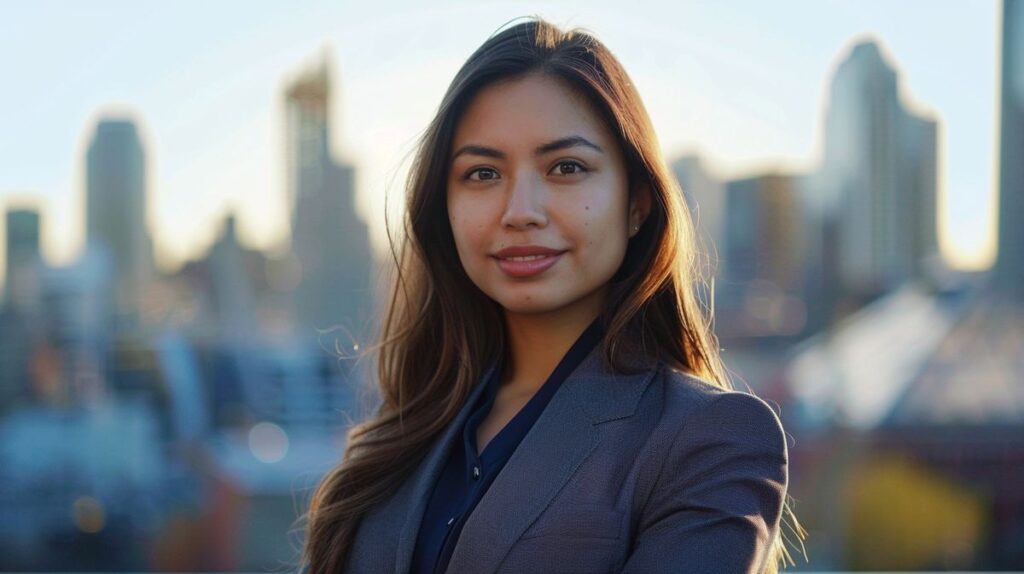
(329, 240)
(19, 318)
(878, 179)
(116, 204)
(920, 172)
(1009, 268)
(761, 280)
(23, 259)
(762, 231)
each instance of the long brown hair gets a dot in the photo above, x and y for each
(439, 330)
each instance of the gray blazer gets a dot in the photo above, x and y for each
(654, 472)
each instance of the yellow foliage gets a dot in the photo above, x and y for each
(904, 516)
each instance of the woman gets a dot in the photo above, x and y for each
(552, 396)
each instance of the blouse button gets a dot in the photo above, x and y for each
(476, 472)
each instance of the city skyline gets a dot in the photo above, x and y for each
(181, 421)
(240, 160)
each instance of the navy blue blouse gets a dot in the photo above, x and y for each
(467, 475)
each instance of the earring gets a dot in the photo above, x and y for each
(636, 228)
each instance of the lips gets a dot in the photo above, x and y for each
(526, 251)
(527, 260)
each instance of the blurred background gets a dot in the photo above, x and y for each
(195, 197)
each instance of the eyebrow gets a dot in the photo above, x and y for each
(559, 144)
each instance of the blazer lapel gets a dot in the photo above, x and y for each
(547, 457)
(426, 475)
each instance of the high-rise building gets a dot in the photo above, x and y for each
(231, 289)
(763, 231)
(1009, 268)
(921, 148)
(878, 178)
(23, 260)
(762, 280)
(329, 240)
(19, 317)
(116, 205)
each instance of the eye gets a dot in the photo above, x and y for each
(486, 174)
(569, 167)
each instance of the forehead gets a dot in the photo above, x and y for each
(528, 110)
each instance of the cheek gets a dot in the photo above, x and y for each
(605, 213)
(468, 225)
(602, 229)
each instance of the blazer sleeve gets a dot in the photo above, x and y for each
(716, 503)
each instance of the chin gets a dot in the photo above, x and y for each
(531, 302)
(528, 309)
(537, 304)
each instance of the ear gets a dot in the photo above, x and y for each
(639, 207)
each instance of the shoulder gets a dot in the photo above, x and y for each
(713, 479)
(696, 410)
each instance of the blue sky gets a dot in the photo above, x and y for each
(741, 82)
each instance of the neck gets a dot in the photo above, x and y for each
(537, 342)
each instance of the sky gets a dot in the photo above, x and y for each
(742, 83)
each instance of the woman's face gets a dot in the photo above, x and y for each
(535, 173)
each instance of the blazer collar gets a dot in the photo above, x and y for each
(550, 452)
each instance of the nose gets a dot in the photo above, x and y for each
(524, 204)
